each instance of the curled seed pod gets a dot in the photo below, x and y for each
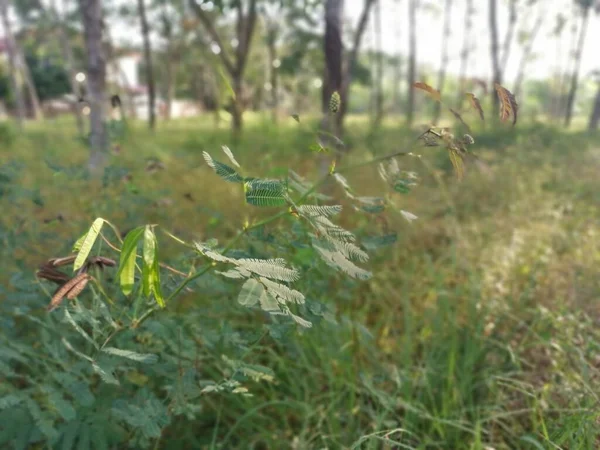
(51, 274)
(335, 102)
(58, 262)
(65, 290)
(103, 261)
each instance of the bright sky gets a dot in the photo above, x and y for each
(429, 35)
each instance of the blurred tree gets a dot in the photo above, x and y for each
(68, 60)
(585, 8)
(148, 64)
(412, 59)
(494, 50)
(595, 115)
(444, 57)
(527, 39)
(49, 77)
(12, 63)
(91, 14)
(378, 65)
(244, 27)
(337, 76)
(466, 49)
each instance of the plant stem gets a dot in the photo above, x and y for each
(241, 233)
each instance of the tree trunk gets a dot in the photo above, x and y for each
(36, 107)
(526, 56)
(444, 60)
(333, 50)
(237, 108)
(67, 54)
(577, 64)
(465, 52)
(91, 11)
(595, 116)
(378, 66)
(12, 63)
(148, 62)
(169, 86)
(496, 71)
(412, 59)
(512, 22)
(273, 72)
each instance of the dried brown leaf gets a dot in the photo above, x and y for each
(508, 104)
(433, 93)
(474, 101)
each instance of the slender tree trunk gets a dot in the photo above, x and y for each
(465, 51)
(444, 60)
(237, 109)
(36, 107)
(379, 65)
(512, 22)
(273, 71)
(577, 64)
(91, 11)
(570, 64)
(595, 116)
(12, 63)
(396, 84)
(412, 59)
(494, 51)
(67, 54)
(148, 62)
(333, 50)
(169, 86)
(526, 56)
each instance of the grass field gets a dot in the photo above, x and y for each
(479, 329)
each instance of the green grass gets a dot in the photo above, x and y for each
(478, 330)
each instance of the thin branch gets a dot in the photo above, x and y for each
(212, 31)
(360, 31)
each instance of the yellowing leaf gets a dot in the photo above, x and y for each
(474, 101)
(508, 104)
(458, 163)
(433, 93)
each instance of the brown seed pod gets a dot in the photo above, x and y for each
(58, 262)
(102, 261)
(51, 274)
(78, 288)
(75, 284)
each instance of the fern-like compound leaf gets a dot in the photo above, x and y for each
(223, 170)
(265, 193)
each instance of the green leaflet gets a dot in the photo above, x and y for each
(126, 270)
(402, 186)
(88, 243)
(146, 358)
(250, 293)
(106, 375)
(150, 268)
(223, 170)
(265, 193)
(375, 242)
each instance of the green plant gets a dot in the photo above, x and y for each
(119, 363)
